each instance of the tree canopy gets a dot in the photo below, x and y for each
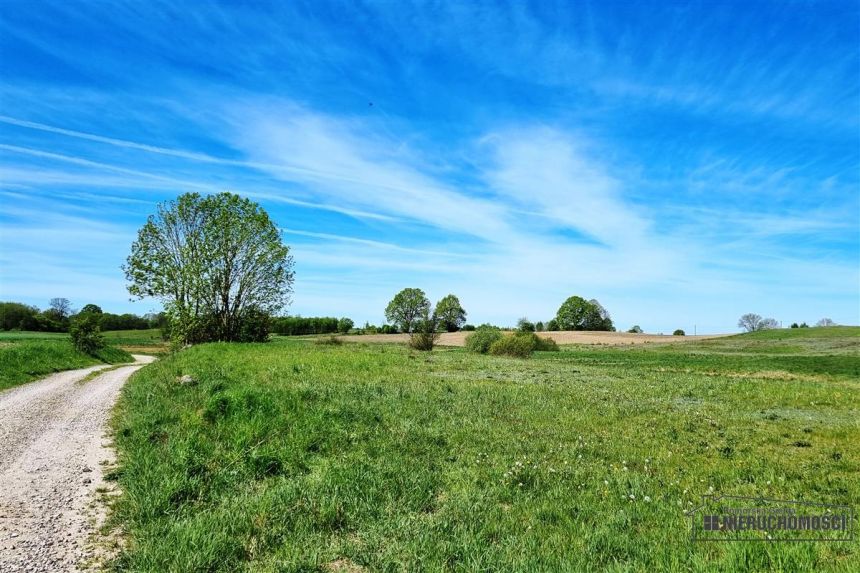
(407, 306)
(450, 313)
(214, 262)
(576, 313)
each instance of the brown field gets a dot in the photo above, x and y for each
(565, 337)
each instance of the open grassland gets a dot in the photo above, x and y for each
(29, 358)
(561, 337)
(137, 341)
(292, 456)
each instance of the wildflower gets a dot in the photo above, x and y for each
(632, 497)
(647, 499)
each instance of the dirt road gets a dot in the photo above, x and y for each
(52, 445)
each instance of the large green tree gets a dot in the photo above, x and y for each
(450, 313)
(214, 261)
(407, 307)
(576, 313)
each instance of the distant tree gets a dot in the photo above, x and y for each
(344, 325)
(451, 314)
(794, 325)
(679, 332)
(523, 325)
(750, 322)
(768, 324)
(576, 313)
(61, 308)
(406, 307)
(214, 261)
(602, 320)
(825, 322)
(635, 329)
(539, 326)
(552, 325)
(91, 309)
(804, 325)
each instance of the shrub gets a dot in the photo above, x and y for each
(516, 346)
(425, 333)
(542, 344)
(330, 339)
(679, 332)
(482, 338)
(254, 326)
(86, 333)
(635, 330)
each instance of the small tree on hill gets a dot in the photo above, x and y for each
(750, 322)
(825, 322)
(407, 307)
(91, 309)
(576, 313)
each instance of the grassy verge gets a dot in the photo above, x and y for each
(28, 359)
(300, 457)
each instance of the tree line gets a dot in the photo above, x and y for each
(60, 314)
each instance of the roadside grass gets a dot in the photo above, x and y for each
(23, 360)
(292, 456)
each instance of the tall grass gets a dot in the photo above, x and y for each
(298, 457)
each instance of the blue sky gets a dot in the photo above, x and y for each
(683, 163)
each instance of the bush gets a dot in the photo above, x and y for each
(424, 334)
(254, 326)
(542, 344)
(516, 346)
(679, 332)
(329, 340)
(482, 338)
(468, 328)
(86, 333)
(635, 330)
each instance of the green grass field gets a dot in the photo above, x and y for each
(137, 341)
(291, 456)
(27, 358)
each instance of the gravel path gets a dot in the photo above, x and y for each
(52, 449)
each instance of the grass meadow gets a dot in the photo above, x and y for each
(293, 456)
(25, 358)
